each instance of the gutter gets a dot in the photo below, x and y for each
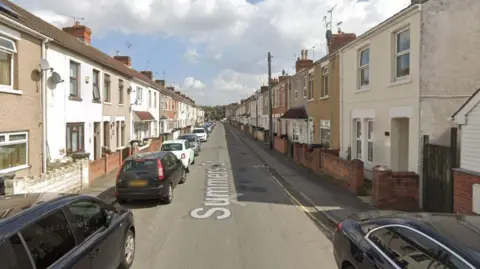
(18, 25)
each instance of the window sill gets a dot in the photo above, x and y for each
(7, 89)
(400, 81)
(14, 169)
(310, 100)
(96, 101)
(324, 97)
(363, 89)
(75, 98)
(121, 104)
(107, 103)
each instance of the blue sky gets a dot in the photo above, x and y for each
(213, 50)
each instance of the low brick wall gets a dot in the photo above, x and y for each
(68, 179)
(394, 190)
(280, 144)
(463, 182)
(349, 174)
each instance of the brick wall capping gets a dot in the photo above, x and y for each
(466, 171)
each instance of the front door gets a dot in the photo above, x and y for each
(96, 140)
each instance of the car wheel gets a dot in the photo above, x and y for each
(128, 250)
(193, 162)
(168, 199)
(184, 177)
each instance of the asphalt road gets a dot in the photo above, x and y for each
(248, 221)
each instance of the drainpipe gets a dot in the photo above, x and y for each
(341, 99)
(44, 108)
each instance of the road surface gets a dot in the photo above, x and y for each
(230, 214)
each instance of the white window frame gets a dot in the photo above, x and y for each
(358, 138)
(402, 53)
(311, 79)
(370, 138)
(8, 142)
(325, 82)
(139, 95)
(325, 126)
(363, 67)
(12, 52)
(304, 84)
(296, 90)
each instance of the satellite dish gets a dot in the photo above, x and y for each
(56, 78)
(44, 65)
(328, 34)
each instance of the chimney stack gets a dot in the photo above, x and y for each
(303, 63)
(148, 74)
(161, 82)
(126, 60)
(339, 40)
(79, 31)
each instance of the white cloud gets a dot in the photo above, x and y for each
(191, 55)
(236, 35)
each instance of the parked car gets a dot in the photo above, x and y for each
(194, 141)
(201, 133)
(389, 239)
(51, 230)
(208, 127)
(150, 175)
(182, 149)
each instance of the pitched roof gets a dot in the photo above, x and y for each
(72, 43)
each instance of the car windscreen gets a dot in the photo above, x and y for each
(198, 131)
(172, 147)
(189, 138)
(130, 165)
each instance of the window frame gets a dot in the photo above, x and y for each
(370, 139)
(325, 89)
(77, 94)
(12, 53)
(149, 98)
(139, 95)
(322, 126)
(402, 53)
(363, 68)
(7, 142)
(155, 99)
(121, 91)
(304, 86)
(311, 78)
(107, 88)
(447, 249)
(79, 149)
(358, 138)
(96, 83)
(122, 133)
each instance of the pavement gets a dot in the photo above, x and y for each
(239, 209)
(103, 187)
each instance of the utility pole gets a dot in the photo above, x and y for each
(270, 122)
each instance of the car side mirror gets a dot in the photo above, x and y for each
(109, 218)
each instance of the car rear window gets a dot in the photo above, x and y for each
(139, 165)
(199, 131)
(189, 138)
(172, 147)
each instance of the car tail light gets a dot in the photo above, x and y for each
(183, 156)
(160, 170)
(339, 227)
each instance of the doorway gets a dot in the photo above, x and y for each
(106, 134)
(96, 141)
(399, 151)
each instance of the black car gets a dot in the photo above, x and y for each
(150, 175)
(51, 230)
(389, 239)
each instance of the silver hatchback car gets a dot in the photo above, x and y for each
(194, 141)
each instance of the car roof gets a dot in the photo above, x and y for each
(189, 134)
(176, 141)
(13, 207)
(461, 232)
(147, 155)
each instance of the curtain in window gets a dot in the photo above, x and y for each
(5, 68)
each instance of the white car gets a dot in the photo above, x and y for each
(182, 149)
(201, 133)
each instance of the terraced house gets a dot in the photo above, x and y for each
(89, 98)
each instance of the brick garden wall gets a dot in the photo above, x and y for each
(394, 190)
(463, 182)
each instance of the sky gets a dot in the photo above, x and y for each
(215, 51)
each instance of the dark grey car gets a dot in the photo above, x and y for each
(194, 141)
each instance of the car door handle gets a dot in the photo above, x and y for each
(95, 252)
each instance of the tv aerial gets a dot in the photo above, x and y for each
(129, 45)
